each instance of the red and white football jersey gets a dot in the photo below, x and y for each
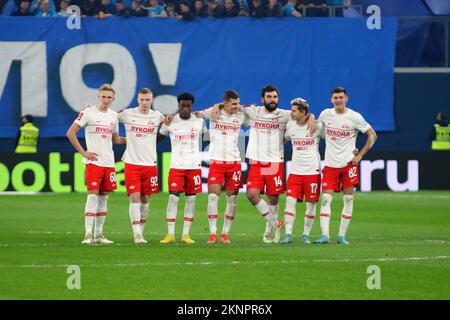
(224, 135)
(141, 132)
(340, 132)
(266, 133)
(185, 140)
(99, 127)
(305, 148)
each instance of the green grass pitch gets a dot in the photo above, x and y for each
(407, 235)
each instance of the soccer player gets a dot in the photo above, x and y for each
(265, 150)
(141, 174)
(341, 126)
(185, 173)
(101, 130)
(225, 165)
(304, 179)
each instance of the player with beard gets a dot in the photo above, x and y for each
(265, 151)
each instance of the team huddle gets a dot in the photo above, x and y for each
(270, 128)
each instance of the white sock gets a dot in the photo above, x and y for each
(102, 211)
(189, 211)
(213, 199)
(229, 213)
(347, 211)
(90, 212)
(135, 217)
(143, 208)
(263, 209)
(309, 217)
(274, 211)
(325, 214)
(289, 214)
(172, 213)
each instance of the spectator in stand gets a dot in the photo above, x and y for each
(63, 5)
(35, 7)
(121, 10)
(213, 9)
(104, 10)
(199, 9)
(137, 10)
(243, 12)
(155, 10)
(170, 10)
(231, 8)
(257, 9)
(23, 10)
(89, 7)
(274, 9)
(45, 10)
(290, 11)
(185, 12)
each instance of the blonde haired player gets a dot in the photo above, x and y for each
(341, 127)
(101, 130)
(304, 178)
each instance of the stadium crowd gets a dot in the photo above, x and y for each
(178, 9)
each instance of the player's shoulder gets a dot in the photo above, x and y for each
(87, 108)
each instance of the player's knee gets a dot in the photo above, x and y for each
(326, 199)
(253, 196)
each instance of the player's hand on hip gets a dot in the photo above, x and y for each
(355, 152)
(356, 160)
(90, 155)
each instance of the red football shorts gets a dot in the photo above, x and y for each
(229, 172)
(268, 176)
(141, 179)
(188, 181)
(100, 178)
(347, 176)
(304, 186)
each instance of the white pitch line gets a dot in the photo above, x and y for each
(209, 263)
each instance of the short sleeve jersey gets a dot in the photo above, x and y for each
(340, 132)
(266, 133)
(185, 140)
(99, 127)
(224, 135)
(305, 148)
(141, 132)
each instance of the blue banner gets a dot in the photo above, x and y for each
(50, 69)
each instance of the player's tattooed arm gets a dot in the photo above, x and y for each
(215, 110)
(72, 135)
(371, 138)
(117, 139)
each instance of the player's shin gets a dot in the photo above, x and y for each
(189, 210)
(325, 214)
(135, 217)
(289, 214)
(102, 211)
(274, 211)
(143, 208)
(229, 213)
(309, 217)
(90, 212)
(172, 213)
(263, 209)
(347, 211)
(213, 200)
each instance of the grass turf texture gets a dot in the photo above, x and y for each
(405, 234)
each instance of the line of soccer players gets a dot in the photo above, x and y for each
(270, 128)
